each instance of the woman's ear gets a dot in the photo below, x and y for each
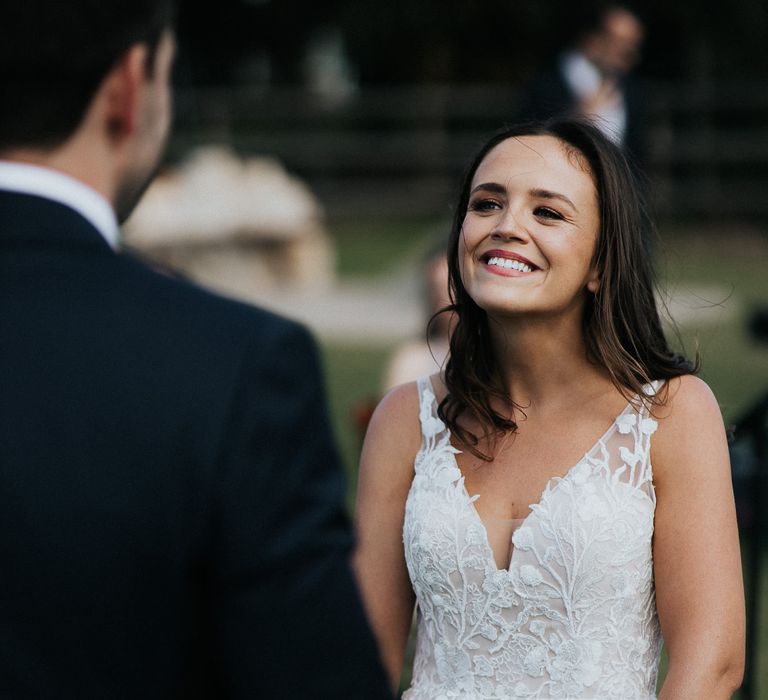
(593, 284)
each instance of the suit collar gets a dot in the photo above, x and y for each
(30, 220)
(24, 178)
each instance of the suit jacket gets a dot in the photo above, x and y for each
(549, 95)
(170, 497)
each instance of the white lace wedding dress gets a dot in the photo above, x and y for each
(574, 615)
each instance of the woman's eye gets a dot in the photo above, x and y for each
(484, 205)
(547, 213)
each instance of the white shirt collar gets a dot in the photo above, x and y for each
(580, 73)
(52, 184)
(584, 79)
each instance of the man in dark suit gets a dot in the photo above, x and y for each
(170, 518)
(593, 79)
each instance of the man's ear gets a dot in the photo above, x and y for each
(122, 91)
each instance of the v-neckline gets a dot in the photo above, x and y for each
(549, 488)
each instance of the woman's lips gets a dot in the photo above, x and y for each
(507, 264)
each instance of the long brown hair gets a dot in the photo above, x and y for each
(622, 328)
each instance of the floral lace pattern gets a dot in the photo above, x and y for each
(574, 616)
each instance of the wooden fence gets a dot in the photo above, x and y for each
(399, 151)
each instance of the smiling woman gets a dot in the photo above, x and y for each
(512, 219)
(562, 489)
(548, 193)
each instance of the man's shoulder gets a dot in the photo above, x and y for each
(546, 95)
(173, 303)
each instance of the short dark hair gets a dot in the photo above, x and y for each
(592, 18)
(622, 327)
(54, 55)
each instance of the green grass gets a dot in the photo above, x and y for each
(354, 379)
(365, 248)
(734, 365)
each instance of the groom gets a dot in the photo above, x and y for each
(170, 518)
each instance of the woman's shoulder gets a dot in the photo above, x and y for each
(395, 422)
(685, 399)
(392, 441)
(690, 425)
(403, 402)
(398, 404)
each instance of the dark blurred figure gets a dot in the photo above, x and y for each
(170, 496)
(593, 79)
(422, 356)
(426, 355)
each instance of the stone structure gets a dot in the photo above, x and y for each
(243, 227)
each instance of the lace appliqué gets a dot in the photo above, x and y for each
(574, 616)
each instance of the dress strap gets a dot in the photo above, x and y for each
(649, 391)
(636, 455)
(424, 385)
(431, 425)
(652, 388)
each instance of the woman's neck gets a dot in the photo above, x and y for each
(544, 361)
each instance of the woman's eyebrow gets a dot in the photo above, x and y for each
(547, 194)
(494, 187)
(497, 188)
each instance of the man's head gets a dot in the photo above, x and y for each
(85, 87)
(613, 40)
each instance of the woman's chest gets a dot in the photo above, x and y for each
(525, 462)
(591, 527)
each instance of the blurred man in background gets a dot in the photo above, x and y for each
(593, 79)
(170, 498)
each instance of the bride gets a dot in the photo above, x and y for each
(559, 497)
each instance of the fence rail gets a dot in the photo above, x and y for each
(708, 144)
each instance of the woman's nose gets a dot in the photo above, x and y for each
(508, 226)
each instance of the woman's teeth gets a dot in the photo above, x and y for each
(510, 264)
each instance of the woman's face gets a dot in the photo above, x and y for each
(530, 230)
